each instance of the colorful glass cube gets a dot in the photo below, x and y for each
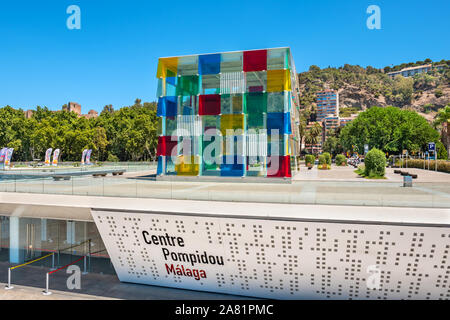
(220, 110)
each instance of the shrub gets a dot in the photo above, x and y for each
(327, 157)
(438, 93)
(441, 151)
(310, 159)
(442, 166)
(323, 162)
(375, 163)
(112, 158)
(341, 160)
(322, 159)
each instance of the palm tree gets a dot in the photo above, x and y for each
(316, 129)
(442, 116)
(310, 139)
(312, 136)
(302, 130)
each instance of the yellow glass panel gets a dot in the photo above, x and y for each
(167, 67)
(231, 122)
(286, 141)
(187, 169)
(278, 80)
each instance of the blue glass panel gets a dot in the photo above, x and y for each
(236, 169)
(187, 111)
(159, 171)
(171, 80)
(167, 106)
(160, 110)
(209, 64)
(171, 86)
(287, 123)
(275, 121)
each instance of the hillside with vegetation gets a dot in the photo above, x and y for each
(361, 88)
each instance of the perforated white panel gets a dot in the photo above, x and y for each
(281, 259)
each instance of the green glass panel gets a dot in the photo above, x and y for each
(187, 85)
(255, 120)
(171, 73)
(256, 102)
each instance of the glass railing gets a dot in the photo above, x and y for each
(139, 181)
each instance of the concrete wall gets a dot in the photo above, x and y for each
(279, 259)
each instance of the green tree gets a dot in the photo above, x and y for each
(375, 163)
(332, 145)
(403, 90)
(389, 129)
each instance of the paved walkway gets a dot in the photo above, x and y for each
(347, 174)
(31, 293)
(29, 282)
(338, 186)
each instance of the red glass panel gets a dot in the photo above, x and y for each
(166, 145)
(279, 167)
(209, 105)
(255, 60)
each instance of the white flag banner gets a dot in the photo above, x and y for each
(48, 155)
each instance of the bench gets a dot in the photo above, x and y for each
(59, 178)
(404, 173)
(96, 175)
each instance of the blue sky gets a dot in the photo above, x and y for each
(113, 58)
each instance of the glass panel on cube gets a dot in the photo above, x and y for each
(256, 81)
(167, 67)
(255, 60)
(278, 80)
(188, 85)
(237, 101)
(225, 104)
(210, 84)
(209, 104)
(256, 102)
(277, 59)
(231, 62)
(187, 105)
(231, 122)
(276, 102)
(209, 64)
(188, 66)
(171, 86)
